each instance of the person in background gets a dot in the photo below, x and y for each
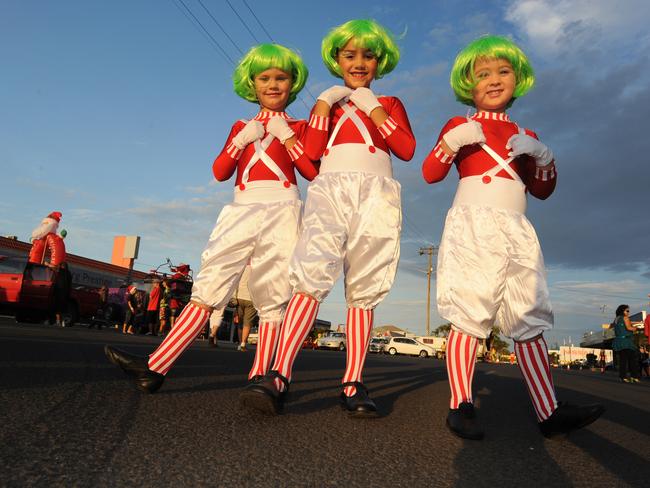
(628, 354)
(245, 310)
(152, 308)
(131, 310)
(644, 361)
(102, 294)
(163, 310)
(62, 289)
(602, 361)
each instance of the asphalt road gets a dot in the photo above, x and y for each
(70, 418)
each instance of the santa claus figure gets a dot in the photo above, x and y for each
(44, 238)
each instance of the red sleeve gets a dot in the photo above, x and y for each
(396, 129)
(226, 163)
(316, 136)
(438, 163)
(540, 182)
(305, 166)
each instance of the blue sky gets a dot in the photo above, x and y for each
(112, 113)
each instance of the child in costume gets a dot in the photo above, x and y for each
(490, 264)
(262, 223)
(352, 218)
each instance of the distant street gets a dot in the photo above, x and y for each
(70, 418)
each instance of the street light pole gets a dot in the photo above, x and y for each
(428, 251)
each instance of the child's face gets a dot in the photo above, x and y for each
(273, 87)
(495, 84)
(358, 65)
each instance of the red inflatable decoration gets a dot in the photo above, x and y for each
(51, 242)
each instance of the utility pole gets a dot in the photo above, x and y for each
(429, 251)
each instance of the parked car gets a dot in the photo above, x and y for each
(333, 340)
(378, 344)
(27, 292)
(406, 345)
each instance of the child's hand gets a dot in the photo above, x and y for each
(524, 144)
(464, 134)
(279, 129)
(334, 94)
(252, 131)
(365, 100)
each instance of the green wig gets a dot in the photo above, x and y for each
(263, 57)
(490, 47)
(367, 34)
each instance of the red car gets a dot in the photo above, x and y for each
(27, 291)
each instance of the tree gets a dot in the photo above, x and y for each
(499, 344)
(442, 330)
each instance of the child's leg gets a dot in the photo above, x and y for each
(358, 328)
(298, 322)
(188, 325)
(267, 341)
(532, 358)
(371, 255)
(461, 359)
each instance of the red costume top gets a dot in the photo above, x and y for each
(394, 135)
(232, 158)
(474, 161)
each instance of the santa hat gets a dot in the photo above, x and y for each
(56, 216)
(131, 288)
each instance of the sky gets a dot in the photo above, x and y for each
(112, 113)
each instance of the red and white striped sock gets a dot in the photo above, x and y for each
(298, 321)
(188, 325)
(532, 357)
(357, 328)
(461, 359)
(266, 344)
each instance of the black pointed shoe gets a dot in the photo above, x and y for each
(359, 405)
(262, 395)
(137, 368)
(568, 417)
(462, 422)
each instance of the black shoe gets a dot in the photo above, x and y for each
(137, 368)
(359, 405)
(261, 394)
(567, 417)
(462, 422)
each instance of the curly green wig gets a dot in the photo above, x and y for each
(367, 34)
(263, 57)
(490, 47)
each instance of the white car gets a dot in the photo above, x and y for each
(333, 340)
(406, 345)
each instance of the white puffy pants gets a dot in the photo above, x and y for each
(491, 272)
(266, 234)
(352, 223)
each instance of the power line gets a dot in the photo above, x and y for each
(273, 40)
(220, 27)
(258, 21)
(242, 21)
(592, 293)
(216, 43)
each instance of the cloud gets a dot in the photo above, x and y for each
(553, 26)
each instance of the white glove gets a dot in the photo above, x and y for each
(365, 100)
(524, 144)
(464, 134)
(334, 94)
(252, 131)
(278, 128)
